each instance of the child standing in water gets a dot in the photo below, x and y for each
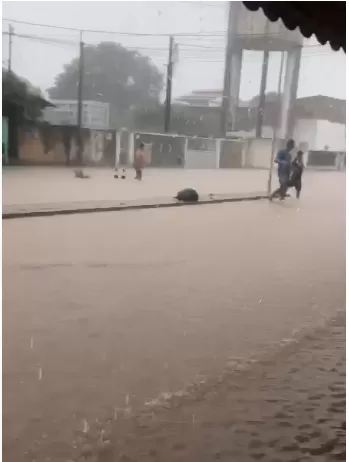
(139, 162)
(297, 168)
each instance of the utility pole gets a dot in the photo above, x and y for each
(79, 108)
(261, 104)
(169, 88)
(10, 35)
(276, 125)
(231, 47)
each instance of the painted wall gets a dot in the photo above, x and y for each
(258, 153)
(319, 134)
(58, 145)
(232, 154)
(5, 140)
(200, 159)
(162, 150)
(330, 134)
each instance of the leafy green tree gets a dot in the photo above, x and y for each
(125, 79)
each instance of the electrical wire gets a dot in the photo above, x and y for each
(141, 34)
(136, 34)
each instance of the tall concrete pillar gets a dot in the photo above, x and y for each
(290, 91)
(235, 77)
(231, 64)
(294, 90)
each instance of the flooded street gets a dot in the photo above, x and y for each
(109, 311)
(37, 185)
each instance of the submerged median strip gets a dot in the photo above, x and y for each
(71, 208)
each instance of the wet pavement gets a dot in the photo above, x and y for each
(290, 406)
(108, 314)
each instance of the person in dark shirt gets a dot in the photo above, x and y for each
(283, 160)
(297, 168)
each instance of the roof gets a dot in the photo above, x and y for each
(324, 19)
(19, 91)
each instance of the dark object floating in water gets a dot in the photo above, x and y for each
(80, 174)
(187, 195)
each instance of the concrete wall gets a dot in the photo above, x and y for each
(258, 153)
(58, 145)
(330, 134)
(320, 133)
(201, 153)
(305, 132)
(232, 154)
(162, 150)
(194, 152)
(200, 159)
(267, 132)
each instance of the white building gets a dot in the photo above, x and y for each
(95, 114)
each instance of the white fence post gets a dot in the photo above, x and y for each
(185, 150)
(131, 148)
(218, 153)
(117, 148)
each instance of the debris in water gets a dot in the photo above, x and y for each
(40, 373)
(260, 301)
(31, 342)
(127, 399)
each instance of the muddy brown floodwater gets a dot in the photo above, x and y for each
(106, 312)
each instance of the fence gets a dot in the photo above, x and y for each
(46, 144)
(193, 152)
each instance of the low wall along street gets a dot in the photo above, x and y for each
(57, 145)
(48, 144)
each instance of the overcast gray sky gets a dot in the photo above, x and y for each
(322, 70)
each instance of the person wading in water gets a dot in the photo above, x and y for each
(139, 162)
(283, 160)
(296, 174)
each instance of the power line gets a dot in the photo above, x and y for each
(139, 34)
(219, 34)
(49, 40)
(43, 39)
(189, 46)
(194, 53)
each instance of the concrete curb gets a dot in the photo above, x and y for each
(121, 207)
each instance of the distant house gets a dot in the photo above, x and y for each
(201, 98)
(95, 114)
(21, 103)
(319, 122)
